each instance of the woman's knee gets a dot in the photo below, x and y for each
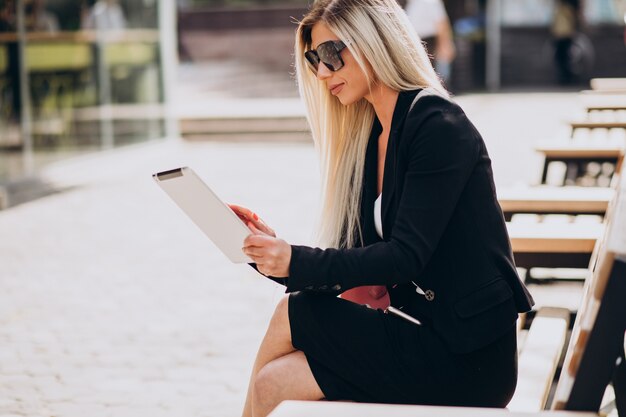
(287, 377)
(267, 384)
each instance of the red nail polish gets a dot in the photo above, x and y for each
(256, 217)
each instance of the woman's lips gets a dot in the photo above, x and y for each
(334, 90)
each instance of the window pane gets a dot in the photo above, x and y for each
(94, 72)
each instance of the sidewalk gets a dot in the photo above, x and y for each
(114, 304)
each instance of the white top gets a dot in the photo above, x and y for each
(378, 221)
(425, 15)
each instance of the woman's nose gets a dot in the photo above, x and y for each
(323, 72)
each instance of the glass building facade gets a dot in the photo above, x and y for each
(81, 75)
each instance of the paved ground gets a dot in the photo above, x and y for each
(114, 304)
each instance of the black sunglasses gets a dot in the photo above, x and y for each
(329, 53)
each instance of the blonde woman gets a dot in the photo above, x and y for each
(409, 204)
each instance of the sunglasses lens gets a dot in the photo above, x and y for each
(326, 53)
(329, 56)
(313, 60)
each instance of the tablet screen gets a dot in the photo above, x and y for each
(206, 210)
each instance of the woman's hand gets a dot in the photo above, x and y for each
(248, 216)
(271, 255)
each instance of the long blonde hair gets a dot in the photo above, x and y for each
(378, 33)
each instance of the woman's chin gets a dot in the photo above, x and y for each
(345, 100)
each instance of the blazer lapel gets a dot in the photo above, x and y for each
(370, 177)
(389, 179)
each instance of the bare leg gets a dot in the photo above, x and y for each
(276, 343)
(286, 378)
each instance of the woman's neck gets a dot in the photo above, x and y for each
(383, 99)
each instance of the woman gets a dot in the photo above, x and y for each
(564, 27)
(409, 204)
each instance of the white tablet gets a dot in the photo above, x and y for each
(207, 211)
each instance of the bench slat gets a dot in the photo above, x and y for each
(597, 125)
(608, 84)
(554, 238)
(581, 151)
(605, 107)
(546, 199)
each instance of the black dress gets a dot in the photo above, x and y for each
(444, 232)
(360, 354)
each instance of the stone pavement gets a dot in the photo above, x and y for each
(114, 304)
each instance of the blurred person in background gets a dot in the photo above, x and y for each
(105, 15)
(431, 22)
(564, 28)
(38, 18)
(390, 139)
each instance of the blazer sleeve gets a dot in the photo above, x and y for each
(443, 151)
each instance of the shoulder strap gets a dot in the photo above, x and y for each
(425, 92)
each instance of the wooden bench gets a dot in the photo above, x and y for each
(577, 158)
(553, 245)
(590, 360)
(554, 200)
(602, 93)
(566, 244)
(605, 107)
(608, 84)
(590, 124)
(607, 112)
(598, 152)
(598, 336)
(603, 101)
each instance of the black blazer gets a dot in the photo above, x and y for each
(443, 230)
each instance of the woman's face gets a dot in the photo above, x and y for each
(349, 83)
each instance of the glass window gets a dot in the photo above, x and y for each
(77, 76)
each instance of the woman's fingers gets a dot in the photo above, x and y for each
(242, 212)
(246, 215)
(256, 255)
(271, 255)
(255, 230)
(258, 245)
(257, 240)
(260, 226)
(240, 209)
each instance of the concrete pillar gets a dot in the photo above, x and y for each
(492, 66)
